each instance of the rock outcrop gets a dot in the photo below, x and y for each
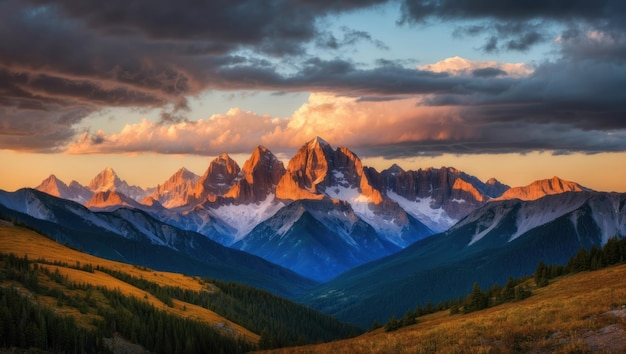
(257, 179)
(176, 191)
(217, 179)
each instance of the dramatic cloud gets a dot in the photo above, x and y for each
(516, 25)
(234, 132)
(62, 60)
(398, 128)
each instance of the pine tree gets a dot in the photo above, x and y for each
(392, 325)
(541, 275)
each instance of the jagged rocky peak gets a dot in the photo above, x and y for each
(263, 161)
(52, 185)
(105, 180)
(258, 178)
(183, 175)
(74, 184)
(495, 188)
(348, 172)
(319, 142)
(218, 178)
(174, 192)
(316, 168)
(541, 188)
(75, 191)
(393, 170)
(306, 171)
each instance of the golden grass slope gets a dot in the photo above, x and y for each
(580, 313)
(26, 242)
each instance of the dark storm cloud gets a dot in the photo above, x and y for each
(516, 25)
(421, 10)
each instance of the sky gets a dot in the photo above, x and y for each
(517, 90)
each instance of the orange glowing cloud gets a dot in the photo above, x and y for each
(343, 120)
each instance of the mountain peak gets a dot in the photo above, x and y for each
(218, 178)
(318, 141)
(175, 191)
(394, 170)
(52, 185)
(306, 170)
(108, 180)
(183, 173)
(492, 181)
(223, 159)
(542, 188)
(105, 180)
(258, 177)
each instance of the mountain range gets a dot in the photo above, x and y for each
(503, 238)
(338, 236)
(353, 213)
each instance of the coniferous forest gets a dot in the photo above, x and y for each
(28, 324)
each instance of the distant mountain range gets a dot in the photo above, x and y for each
(354, 213)
(336, 235)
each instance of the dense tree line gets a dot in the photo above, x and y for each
(612, 253)
(27, 325)
(478, 299)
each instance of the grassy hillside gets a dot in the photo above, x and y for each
(584, 312)
(92, 291)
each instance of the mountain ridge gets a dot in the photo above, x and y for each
(229, 204)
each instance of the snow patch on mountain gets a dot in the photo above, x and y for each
(244, 217)
(361, 206)
(340, 221)
(545, 210)
(479, 234)
(288, 224)
(24, 201)
(435, 218)
(609, 217)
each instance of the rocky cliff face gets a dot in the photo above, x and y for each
(107, 180)
(258, 178)
(217, 179)
(306, 172)
(436, 197)
(176, 191)
(316, 170)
